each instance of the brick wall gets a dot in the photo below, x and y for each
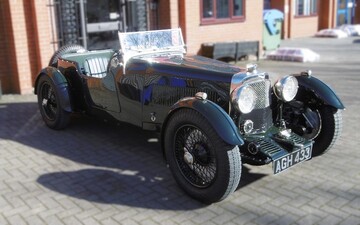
(25, 43)
(294, 26)
(303, 26)
(326, 14)
(174, 13)
(196, 34)
(16, 68)
(44, 42)
(168, 14)
(357, 14)
(22, 40)
(5, 29)
(32, 36)
(164, 14)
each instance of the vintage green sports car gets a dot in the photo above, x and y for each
(212, 116)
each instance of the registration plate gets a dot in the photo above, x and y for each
(292, 159)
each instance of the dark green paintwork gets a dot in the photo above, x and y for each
(216, 116)
(61, 85)
(321, 90)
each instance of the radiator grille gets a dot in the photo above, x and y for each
(262, 90)
(262, 114)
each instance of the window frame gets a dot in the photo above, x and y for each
(230, 19)
(308, 10)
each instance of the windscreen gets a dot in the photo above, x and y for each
(136, 43)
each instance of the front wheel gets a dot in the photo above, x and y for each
(204, 166)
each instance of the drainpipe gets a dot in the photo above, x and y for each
(83, 22)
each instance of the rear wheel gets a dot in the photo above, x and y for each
(49, 104)
(204, 166)
(331, 127)
(323, 125)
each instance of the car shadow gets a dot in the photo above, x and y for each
(356, 41)
(114, 163)
(248, 177)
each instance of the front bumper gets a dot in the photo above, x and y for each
(284, 150)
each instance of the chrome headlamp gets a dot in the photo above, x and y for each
(244, 98)
(286, 88)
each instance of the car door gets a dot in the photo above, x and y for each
(101, 84)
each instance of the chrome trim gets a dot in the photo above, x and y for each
(240, 78)
(252, 79)
(251, 68)
(247, 126)
(201, 95)
(236, 95)
(306, 73)
(278, 88)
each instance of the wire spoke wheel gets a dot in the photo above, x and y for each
(203, 165)
(200, 169)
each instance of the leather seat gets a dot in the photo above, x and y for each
(96, 67)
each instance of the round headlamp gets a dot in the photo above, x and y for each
(245, 99)
(286, 88)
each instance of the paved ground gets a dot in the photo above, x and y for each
(97, 173)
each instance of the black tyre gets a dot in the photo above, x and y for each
(64, 50)
(322, 125)
(330, 130)
(204, 166)
(49, 104)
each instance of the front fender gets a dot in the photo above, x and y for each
(60, 83)
(217, 117)
(321, 90)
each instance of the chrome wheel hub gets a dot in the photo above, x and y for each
(44, 102)
(188, 158)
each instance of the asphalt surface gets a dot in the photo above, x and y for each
(100, 173)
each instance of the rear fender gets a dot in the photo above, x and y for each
(217, 117)
(61, 86)
(320, 90)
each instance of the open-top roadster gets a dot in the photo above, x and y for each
(212, 116)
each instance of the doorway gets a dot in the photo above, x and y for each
(345, 12)
(95, 24)
(103, 21)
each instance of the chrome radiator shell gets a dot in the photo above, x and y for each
(262, 113)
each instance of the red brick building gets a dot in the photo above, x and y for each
(305, 17)
(242, 22)
(33, 29)
(25, 43)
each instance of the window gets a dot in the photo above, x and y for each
(267, 4)
(306, 7)
(220, 11)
